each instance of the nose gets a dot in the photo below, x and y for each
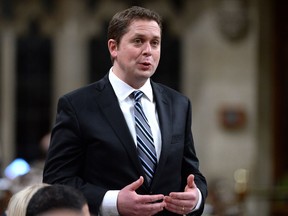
(147, 49)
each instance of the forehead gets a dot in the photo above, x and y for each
(150, 27)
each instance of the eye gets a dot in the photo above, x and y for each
(137, 41)
(155, 43)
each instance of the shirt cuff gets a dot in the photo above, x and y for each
(199, 201)
(109, 204)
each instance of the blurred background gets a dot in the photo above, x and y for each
(228, 56)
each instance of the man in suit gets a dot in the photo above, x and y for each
(96, 145)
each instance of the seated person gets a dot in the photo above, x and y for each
(58, 200)
(19, 201)
(52, 200)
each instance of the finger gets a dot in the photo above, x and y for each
(178, 206)
(151, 199)
(136, 184)
(154, 208)
(190, 181)
(178, 209)
(179, 200)
(150, 208)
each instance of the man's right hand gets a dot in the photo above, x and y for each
(130, 203)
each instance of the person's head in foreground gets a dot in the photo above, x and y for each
(57, 200)
(44, 200)
(19, 201)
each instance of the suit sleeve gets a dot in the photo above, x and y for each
(191, 163)
(66, 155)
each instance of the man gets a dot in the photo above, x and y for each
(96, 143)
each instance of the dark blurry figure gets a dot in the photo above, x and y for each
(33, 90)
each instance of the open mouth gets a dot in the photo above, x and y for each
(145, 65)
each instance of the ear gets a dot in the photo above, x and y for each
(112, 46)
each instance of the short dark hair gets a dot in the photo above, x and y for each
(55, 197)
(120, 22)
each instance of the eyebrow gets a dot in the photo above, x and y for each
(143, 35)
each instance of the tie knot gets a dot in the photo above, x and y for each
(137, 95)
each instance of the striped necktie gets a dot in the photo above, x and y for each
(145, 142)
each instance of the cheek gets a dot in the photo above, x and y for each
(131, 55)
(157, 53)
(157, 56)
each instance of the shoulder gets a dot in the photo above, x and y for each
(87, 91)
(86, 95)
(168, 92)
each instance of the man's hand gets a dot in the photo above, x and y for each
(130, 203)
(183, 202)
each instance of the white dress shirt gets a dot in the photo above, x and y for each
(123, 92)
(126, 101)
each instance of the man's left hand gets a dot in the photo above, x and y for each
(183, 202)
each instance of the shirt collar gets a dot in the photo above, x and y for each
(123, 90)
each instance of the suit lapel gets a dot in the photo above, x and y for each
(163, 106)
(109, 105)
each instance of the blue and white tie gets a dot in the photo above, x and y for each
(145, 142)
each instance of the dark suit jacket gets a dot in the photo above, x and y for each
(92, 149)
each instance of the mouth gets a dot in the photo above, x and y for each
(145, 65)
